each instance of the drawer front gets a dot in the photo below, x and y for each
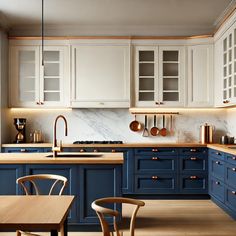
(217, 188)
(193, 150)
(230, 175)
(230, 159)
(156, 184)
(216, 168)
(195, 162)
(195, 184)
(216, 154)
(230, 197)
(156, 150)
(22, 150)
(155, 164)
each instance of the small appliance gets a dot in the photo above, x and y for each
(20, 124)
(206, 133)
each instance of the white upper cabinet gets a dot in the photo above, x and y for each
(200, 76)
(34, 85)
(159, 76)
(100, 75)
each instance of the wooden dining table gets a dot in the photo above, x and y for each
(35, 213)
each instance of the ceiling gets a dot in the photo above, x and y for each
(114, 17)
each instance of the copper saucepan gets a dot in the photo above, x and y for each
(154, 130)
(135, 125)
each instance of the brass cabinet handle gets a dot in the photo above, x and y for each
(155, 158)
(155, 150)
(23, 150)
(193, 158)
(154, 177)
(193, 150)
(233, 169)
(81, 150)
(193, 177)
(113, 150)
(233, 192)
(217, 183)
(226, 101)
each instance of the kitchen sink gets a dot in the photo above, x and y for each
(76, 155)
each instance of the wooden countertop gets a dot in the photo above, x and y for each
(223, 148)
(40, 158)
(131, 145)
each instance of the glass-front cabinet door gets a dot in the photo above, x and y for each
(159, 76)
(35, 85)
(25, 76)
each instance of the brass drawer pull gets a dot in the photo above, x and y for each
(233, 169)
(113, 150)
(217, 183)
(233, 192)
(81, 150)
(217, 162)
(193, 150)
(155, 158)
(193, 158)
(154, 177)
(155, 150)
(193, 177)
(23, 150)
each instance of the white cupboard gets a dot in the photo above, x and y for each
(159, 76)
(100, 75)
(200, 76)
(34, 85)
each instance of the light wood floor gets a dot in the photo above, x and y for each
(176, 218)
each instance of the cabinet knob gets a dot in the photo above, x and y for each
(23, 150)
(41, 103)
(154, 177)
(95, 150)
(155, 150)
(161, 103)
(81, 150)
(218, 153)
(233, 169)
(193, 150)
(193, 158)
(226, 101)
(38, 103)
(234, 158)
(113, 150)
(233, 192)
(217, 183)
(217, 162)
(155, 158)
(193, 177)
(101, 103)
(157, 103)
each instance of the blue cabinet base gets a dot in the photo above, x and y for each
(169, 196)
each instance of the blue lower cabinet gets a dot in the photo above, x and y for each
(21, 150)
(8, 176)
(193, 150)
(230, 199)
(156, 184)
(216, 154)
(230, 159)
(230, 174)
(216, 188)
(96, 181)
(194, 184)
(197, 162)
(68, 171)
(217, 168)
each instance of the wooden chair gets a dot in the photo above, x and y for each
(57, 180)
(102, 212)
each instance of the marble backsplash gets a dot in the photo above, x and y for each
(113, 124)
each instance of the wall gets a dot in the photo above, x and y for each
(113, 124)
(231, 118)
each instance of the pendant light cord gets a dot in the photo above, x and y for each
(42, 32)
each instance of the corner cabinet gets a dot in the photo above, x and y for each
(100, 75)
(159, 76)
(34, 85)
(200, 76)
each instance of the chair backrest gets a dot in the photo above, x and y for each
(102, 211)
(57, 180)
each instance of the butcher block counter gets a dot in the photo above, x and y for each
(42, 158)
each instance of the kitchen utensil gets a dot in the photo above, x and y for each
(163, 131)
(224, 139)
(37, 136)
(135, 125)
(206, 133)
(145, 131)
(172, 132)
(154, 130)
(230, 140)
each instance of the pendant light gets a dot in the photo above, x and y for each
(42, 32)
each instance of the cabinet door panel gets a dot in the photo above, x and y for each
(230, 175)
(217, 188)
(193, 163)
(230, 198)
(216, 168)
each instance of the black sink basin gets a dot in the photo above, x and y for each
(76, 155)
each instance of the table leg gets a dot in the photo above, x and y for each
(54, 232)
(64, 229)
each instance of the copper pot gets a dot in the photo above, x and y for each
(135, 125)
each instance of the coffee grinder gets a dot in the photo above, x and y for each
(20, 126)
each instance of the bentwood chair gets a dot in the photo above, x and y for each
(102, 211)
(57, 186)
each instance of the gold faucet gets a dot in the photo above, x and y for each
(55, 148)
